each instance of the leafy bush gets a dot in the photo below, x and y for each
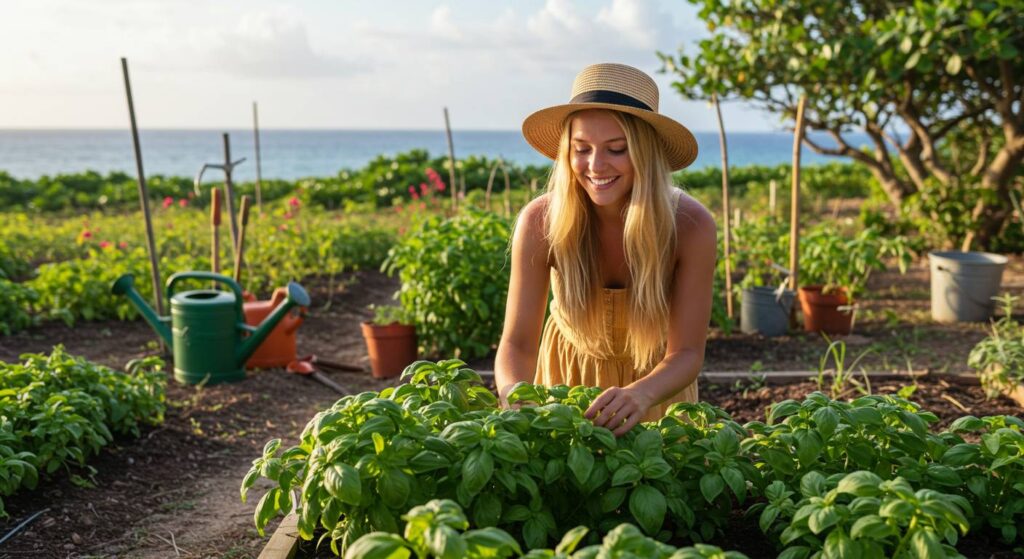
(999, 358)
(56, 410)
(836, 262)
(454, 275)
(870, 473)
(15, 300)
(438, 529)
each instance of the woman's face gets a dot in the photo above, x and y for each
(600, 157)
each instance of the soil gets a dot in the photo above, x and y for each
(174, 491)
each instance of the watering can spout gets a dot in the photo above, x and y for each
(297, 296)
(125, 285)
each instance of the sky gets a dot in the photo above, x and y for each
(335, 64)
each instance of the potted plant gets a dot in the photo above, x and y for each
(836, 269)
(765, 302)
(390, 340)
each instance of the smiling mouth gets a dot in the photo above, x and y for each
(602, 184)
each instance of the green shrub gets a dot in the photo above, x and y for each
(454, 275)
(15, 300)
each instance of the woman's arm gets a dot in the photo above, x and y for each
(527, 296)
(689, 315)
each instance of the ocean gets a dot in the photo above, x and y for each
(292, 154)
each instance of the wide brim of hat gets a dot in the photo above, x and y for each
(543, 131)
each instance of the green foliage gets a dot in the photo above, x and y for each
(454, 275)
(999, 358)
(15, 300)
(439, 530)
(56, 410)
(835, 262)
(543, 472)
(757, 244)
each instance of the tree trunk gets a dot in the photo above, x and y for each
(998, 177)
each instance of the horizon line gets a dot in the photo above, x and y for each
(312, 129)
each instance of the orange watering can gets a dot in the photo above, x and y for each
(279, 348)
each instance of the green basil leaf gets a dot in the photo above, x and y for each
(648, 506)
(734, 478)
(487, 510)
(477, 470)
(490, 542)
(924, 544)
(343, 483)
(826, 420)
(711, 485)
(378, 545)
(580, 462)
(726, 443)
(510, 448)
(861, 483)
(627, 474)
(613, 499)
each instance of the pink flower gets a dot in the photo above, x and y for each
(168, 202)
(104, 244)
(287, 215)
(415, 196)
(123, 245)
(424, 189)
(86, 234)
(183, 202)
(412, 190)
(283, 227)
(294, 202)
(423, 205)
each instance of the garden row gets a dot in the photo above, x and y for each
(865, 478)
(388, 181)
(58, 410)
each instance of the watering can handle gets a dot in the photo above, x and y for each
(208, 276)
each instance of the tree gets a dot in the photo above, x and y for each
(911, 75)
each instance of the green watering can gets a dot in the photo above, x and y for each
(207, 331)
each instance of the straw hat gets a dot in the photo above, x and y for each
(619, 88)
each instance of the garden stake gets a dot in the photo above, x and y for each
(244, 220)
(259, 177)
(451, 161)
(214, 225)
(725, 207)
(143, 195)
(794, 209)
(228, 166)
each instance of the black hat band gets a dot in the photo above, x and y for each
(610, 97)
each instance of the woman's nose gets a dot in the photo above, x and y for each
(597, 163)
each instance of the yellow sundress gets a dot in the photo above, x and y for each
(561, 361)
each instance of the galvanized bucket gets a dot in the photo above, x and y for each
(762, 312)
(963, 285)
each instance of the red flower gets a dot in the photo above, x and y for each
(123, 245)
(423, 205)
(412, 190)
(415, 196)
(168, 202)
(86, 234)
(104, 244)
(294, 202)
(183, 202)
(424, 189)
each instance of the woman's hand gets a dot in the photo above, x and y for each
(619, 409)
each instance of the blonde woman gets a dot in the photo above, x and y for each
(628, 257)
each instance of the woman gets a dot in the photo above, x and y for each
(629, 258)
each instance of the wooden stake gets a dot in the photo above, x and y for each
(725, 207)
(794, 209)
(143, 195)
(772, 187)
(451, 162)
(215, 226)
(243, 222)
(229, 191)
(259, 175)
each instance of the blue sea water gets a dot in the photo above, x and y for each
(291, 154)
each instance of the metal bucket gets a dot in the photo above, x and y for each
(761, 312)
(963, 285)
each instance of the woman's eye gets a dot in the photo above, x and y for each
(617, 151)
(582, 150)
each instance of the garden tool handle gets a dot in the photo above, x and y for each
(235, 288)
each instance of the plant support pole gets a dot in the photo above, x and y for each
(229, 191)
(259, 175)
(143, 195)
(725, 207)
(451, 162)
(794, 204)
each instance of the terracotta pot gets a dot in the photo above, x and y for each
(821, 312)
(392, 347)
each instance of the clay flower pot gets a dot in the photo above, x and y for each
(392, 347)
(821, 312)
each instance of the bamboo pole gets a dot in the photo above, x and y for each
(215, 226)
(725, 207)
(772, 188)
(243, 222)
(794, 209)
(143, 194)
(259, 169)
(451, 162)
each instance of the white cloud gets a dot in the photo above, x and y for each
(441, 23)
(263, 44)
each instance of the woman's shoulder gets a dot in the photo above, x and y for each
(531, 224)
(694, 223)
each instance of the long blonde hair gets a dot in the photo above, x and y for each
(649, 242)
